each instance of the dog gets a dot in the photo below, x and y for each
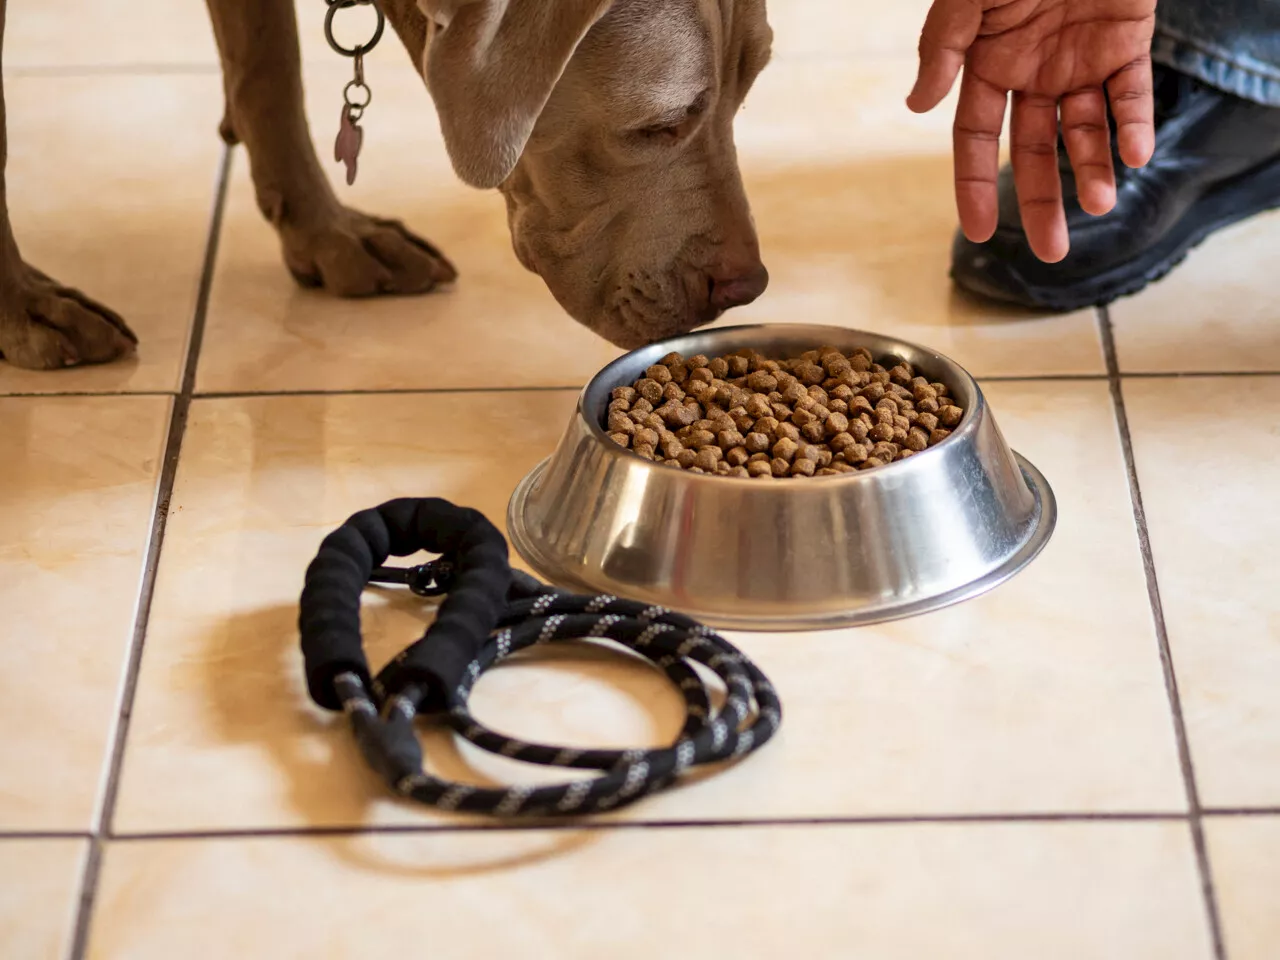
(607, 125)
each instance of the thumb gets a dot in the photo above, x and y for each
(949, 31)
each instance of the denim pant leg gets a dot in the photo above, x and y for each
(1233, 45)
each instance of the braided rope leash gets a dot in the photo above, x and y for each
(489, 613)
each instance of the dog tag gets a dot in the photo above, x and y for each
(346, 149)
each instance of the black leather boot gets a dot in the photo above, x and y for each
(1217, 161)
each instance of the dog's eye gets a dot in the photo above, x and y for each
(660, 131)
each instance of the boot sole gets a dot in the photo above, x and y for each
(1252, 193)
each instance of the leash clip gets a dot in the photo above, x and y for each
(431, 579)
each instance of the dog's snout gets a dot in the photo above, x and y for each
(737, 288)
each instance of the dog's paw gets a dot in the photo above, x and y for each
(355, 255)
(44, 325)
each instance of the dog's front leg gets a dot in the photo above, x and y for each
(325, 244)
(43, 324)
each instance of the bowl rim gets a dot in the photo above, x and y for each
(966, 426)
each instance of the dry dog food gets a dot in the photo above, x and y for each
(744, 415)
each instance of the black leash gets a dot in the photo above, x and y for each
(490, 612)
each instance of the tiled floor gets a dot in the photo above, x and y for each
(1084, 763)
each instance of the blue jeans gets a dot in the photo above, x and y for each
(1233, 45)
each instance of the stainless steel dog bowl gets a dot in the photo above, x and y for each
(942, 526)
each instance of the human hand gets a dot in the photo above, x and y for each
(1052, 55)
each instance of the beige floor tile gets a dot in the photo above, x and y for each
(76, 498)
(852, 197)
(1215, 313)
(1045, 695)
(124, 223)
(39, 896)
(1055, 892)
(846, 28)
(1245, 857)
(1212, 535)
(84, 33)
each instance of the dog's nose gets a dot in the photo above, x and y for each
(739, 289)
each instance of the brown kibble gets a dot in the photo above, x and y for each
(677, 415)
(841, 442)
(700, 375)
(746, 415)
(900, 374)
(785, 449)
(646, 437)
(814, 432)
(940, 389)
(758, 405)
(810, 374)
(807, 451)
(729, 438)
(659, 374)
(836, 424)
(794, 392)
(698, 439)
(924, 392)
(787, 431)
(707, 458)
(950, 416)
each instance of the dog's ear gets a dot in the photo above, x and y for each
(491, 69)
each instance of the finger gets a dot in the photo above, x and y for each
(1034, 141)
(949, 31)
(976, 142)
(1088, 138)
(1134, 110)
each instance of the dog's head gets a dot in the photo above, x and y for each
(608, 126)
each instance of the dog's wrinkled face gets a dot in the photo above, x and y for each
(608, 126)
(627, 199)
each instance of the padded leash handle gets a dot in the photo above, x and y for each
(489, 613)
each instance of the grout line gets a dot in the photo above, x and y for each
(1240, 811)
(164, 491)
(375, 392)
(1195, 811)
(554, 388)
(114, 70)
(45, 835)
(509, 826)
